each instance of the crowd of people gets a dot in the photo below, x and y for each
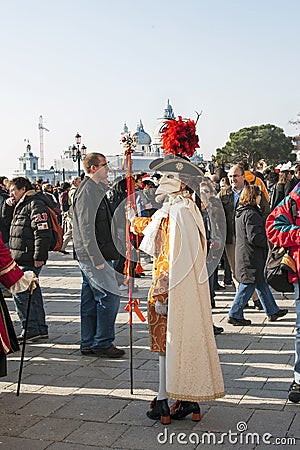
(190, 223)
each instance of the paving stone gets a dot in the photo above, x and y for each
(10, 403)
(139, 391)
(294, 429)
(145, 375)
(91, 407)
(98, 387)
(73, 446)
(278, 384)
(98, 434)
(51, 428)
(48, 368)
(15, 443)
(275, 422)
(223, 418)
(268, 370)
(97, 372)
(133, 414)
(122, 363)
(14, 425)
(264, 399)
(43, 406)
(141, 438)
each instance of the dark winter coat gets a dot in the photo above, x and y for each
(92, 224)
(251, 245)
(290, 185)
(4, 226)
(278, 195)
(30, 229)
(227, 199)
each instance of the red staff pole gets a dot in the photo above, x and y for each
(132, 305)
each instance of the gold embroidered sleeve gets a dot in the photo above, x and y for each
(140, 223)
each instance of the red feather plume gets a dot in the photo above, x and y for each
(179, 137)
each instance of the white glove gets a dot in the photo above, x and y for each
(130, 214)
(25, 282)
(161, 308)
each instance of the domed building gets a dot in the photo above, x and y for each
(143, 146)
(146, 149)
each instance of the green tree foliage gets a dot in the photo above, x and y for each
(266, 142)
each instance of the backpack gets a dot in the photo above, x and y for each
(279, 263)
(64, 201)
(56, 232)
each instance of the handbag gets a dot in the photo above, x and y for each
(279, 263)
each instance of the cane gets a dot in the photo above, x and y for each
(31, 288)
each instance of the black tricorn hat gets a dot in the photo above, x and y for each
(177, 165)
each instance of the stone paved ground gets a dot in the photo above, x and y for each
(72, 402)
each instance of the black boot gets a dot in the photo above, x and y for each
(159, 410)
(181, 409)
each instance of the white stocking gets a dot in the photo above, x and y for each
(162, 392)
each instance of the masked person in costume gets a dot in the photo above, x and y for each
(179, 310)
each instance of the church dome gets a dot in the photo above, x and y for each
(143, 138)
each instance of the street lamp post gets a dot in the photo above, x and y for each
(77, 153)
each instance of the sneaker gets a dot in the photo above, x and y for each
(239, 322)
(110, 352)
(278, 314)
(294, 392)
(87, 351)
(29, 338)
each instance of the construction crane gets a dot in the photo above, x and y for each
(42, 128)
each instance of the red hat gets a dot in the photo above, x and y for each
(179, 137)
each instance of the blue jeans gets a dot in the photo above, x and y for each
(37, 318)
(297, 343)
(99, 306)
(243, 295)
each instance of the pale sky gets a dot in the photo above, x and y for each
(88, 66)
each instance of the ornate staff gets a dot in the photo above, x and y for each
(129, 144)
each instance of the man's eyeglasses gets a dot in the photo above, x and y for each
(234, 176)
(104, 165)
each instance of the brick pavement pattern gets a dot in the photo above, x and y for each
(72, 402)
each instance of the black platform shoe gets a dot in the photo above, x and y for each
(159, 410)
(181, 409)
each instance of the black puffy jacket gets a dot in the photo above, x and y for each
(251, 246)
(30, 228)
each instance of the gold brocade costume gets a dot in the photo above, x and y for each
(180, 278)
(157, 322)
